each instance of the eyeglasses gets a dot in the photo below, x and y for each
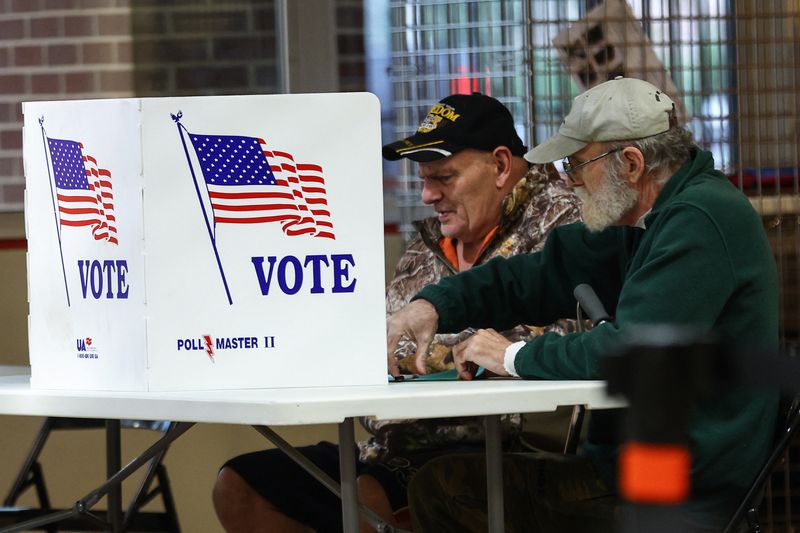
(570, 169)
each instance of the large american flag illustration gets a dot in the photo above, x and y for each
(83, 189)
(248, 183)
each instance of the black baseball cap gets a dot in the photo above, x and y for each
(457, 122)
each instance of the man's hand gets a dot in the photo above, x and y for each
(486, 348)
(417, 321)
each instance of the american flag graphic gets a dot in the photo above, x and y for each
(250, 184)
(83, 190)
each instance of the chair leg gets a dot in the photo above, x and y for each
(30, 472)
(574, 431)
(166, 497)
(37, 478)
(144, 494)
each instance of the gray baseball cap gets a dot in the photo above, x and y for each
(621, 109)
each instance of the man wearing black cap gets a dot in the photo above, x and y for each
(488, 203)
(665, 239)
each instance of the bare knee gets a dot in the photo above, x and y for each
(233, 498)
(372, 494)
(241, 509)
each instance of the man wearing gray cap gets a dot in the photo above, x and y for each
(666, 239)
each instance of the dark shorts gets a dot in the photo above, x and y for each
(285, 484)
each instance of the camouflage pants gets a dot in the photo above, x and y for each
(543, 492)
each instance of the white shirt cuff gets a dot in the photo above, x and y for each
(511, 356)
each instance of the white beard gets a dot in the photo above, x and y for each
(606, 206)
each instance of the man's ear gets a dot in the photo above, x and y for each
(633, 164)
(502, 160)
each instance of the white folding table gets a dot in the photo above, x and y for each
(261, 408)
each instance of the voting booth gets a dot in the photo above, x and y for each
(202, 243)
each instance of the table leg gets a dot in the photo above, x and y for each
(347, 469)
(113, 465)
(494, 473)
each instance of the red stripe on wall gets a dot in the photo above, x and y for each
(13, 244)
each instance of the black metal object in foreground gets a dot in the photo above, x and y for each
(663, 371)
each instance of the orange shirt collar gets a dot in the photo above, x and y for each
(448, 247)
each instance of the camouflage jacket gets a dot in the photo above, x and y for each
(537, 204)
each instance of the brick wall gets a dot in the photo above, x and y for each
(64, 49)
(56, 49)
(200, 47)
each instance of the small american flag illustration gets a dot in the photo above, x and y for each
(83, 190)
(250, 184)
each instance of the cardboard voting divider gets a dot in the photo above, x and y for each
(205, 242)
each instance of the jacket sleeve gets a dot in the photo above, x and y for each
(683, 277)
(533, 288)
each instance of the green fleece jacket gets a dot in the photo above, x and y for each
(703, 260)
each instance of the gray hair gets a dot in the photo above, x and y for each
(668, 150)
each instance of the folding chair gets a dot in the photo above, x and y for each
(31, 475)
(787, 428)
